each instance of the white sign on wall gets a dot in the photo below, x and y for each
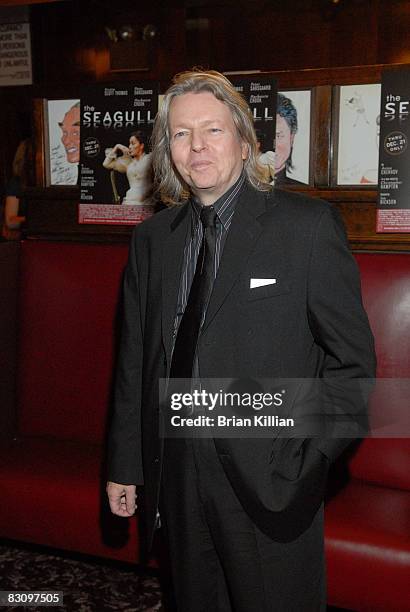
(15, 54)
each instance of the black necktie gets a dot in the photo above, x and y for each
(192, 319)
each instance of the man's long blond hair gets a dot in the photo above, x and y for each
(168, 183)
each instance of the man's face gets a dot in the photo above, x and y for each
(70, 137)
(205, 145)
(136, 147)
(284, 143)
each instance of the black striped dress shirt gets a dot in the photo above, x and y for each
(225, 208)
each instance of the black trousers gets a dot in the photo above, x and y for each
(220, 560)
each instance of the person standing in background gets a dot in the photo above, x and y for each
(14, 214)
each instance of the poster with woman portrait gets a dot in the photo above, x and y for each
(116, 174)
(62, 137)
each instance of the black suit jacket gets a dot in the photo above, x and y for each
(310, 323)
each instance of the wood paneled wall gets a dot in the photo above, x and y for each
(71, 46)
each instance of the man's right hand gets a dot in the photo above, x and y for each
(122, 498)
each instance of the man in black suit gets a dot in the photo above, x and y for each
(238, 281)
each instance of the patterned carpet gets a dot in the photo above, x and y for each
(88, 585)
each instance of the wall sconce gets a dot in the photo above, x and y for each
(126, 33)
(331, 8)
(149, 32)
(131, 47)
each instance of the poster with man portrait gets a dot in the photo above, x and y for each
(293, 133)
(62, 141)
(260, 93)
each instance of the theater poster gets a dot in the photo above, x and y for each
(393, 214)
(115, 158)
(260, 93)
(62, 141)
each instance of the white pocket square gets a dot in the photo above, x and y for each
(261, 282)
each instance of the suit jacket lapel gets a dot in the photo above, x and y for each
(171, 273)
(242, 237)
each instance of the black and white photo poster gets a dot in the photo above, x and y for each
(393, 214)
(358, 134)
(62, 135)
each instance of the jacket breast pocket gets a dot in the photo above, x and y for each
(268, 291)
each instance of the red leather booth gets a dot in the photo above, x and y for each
(52, 468)
(51, 472)
(368, 517)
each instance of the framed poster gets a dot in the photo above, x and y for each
(260, 93)
(356, 138)
(62, 141)
(293, 138)
(116, 167)
(393, 210)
